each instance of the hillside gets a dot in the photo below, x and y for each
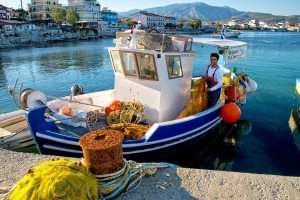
(207, 12)
(192, 10)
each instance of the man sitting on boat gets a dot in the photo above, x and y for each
(214, 78)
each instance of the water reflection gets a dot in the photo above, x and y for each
(219, 150)
(3, 79)
(224, 151)
(83, 61)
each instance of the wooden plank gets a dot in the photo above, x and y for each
(4, 133)
(17, 127)
(11, 121)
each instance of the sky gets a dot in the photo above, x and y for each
(277, 7)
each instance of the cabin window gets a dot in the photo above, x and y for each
(116, 59)
(147, 68)
(174, 66)
(129, 64)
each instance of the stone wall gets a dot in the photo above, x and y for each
(40, 35)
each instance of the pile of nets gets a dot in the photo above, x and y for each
(131, 131)
(125, 112)
(198, 101)
(56, 179)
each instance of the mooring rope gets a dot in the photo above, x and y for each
(112, 185)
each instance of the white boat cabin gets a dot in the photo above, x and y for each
(157, 72)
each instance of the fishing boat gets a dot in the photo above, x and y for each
(294, 120)
(227, 34)
(150, 68)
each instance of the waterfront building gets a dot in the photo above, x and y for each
(232, 23)
(170, 20)
(41, 9)
(12, 14)
(109, 16)
(89, 11)
(253, 24)
(151, 20)
(184, 24)
(263, 25)
(4, 12)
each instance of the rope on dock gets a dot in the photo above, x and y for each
(109, 185)
(126, 179)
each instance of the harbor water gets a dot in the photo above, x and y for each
(273, 61)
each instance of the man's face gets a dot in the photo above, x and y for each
(213, 60)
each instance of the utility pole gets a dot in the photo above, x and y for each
(22, 10)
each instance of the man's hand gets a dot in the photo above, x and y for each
(207, 89)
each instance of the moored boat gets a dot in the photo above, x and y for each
(152, 69)
(294, 120)
(227, 34)
(14, 132)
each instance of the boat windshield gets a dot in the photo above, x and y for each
(134, 64)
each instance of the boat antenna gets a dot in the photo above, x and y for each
(12, 91)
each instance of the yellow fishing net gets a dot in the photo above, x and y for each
(131, 112)
(56, 179)
(198, 101)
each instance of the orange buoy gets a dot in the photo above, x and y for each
(231, 113)
(66, 110)
(114, 106)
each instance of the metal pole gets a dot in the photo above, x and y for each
(77, 102)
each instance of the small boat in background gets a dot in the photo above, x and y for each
(294, 120)
(227, 34)
(14, 132)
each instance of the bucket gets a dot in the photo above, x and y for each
(102, 151)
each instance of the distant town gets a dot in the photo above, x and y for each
(49, 21)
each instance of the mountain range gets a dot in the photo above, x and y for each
(205, 12)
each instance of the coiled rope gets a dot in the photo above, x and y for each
(126, 179)
(66, 179)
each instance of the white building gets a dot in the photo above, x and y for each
(88, 10)
(253, 23)
(232, 23)
(151, 20)
(4, 12)
(41, 9)
(263, 24)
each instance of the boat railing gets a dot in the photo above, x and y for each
(155, 41)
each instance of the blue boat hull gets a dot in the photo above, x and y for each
(162, 140)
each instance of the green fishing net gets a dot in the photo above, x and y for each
(56, 180)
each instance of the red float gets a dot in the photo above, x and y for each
(232, 93)
(114, 106)
(231, 113)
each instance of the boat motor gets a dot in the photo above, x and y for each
(30, 98)
(76, 90)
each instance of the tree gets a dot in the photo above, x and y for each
(180, 25)
(72, 17)
(58, 15)
(195, 23)
(170, 25)
(129, 22)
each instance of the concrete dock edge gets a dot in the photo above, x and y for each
(175, 184)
